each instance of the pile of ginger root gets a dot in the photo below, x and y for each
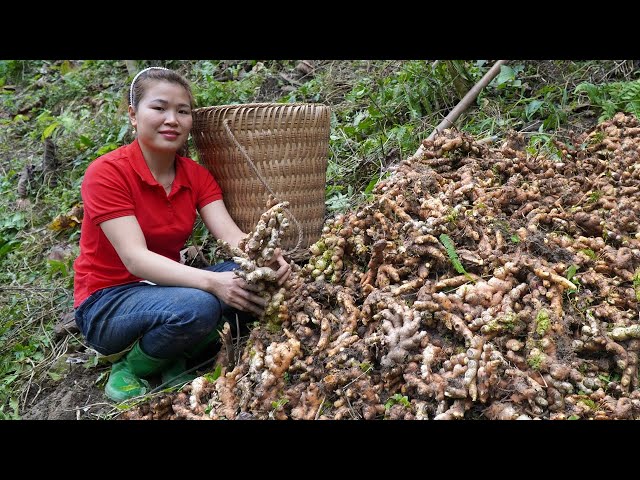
(531, 312)
(255, 253)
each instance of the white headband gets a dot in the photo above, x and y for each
(133, 82)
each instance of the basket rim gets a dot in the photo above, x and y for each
(262, 104)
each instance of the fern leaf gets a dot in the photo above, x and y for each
(453, 255)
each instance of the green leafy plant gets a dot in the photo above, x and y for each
(589, 253)
(508, 76)
(594, 196)
(213, 376)
(397, 399)
(541, 144)
(570, 274)
(9, 71)
(221, 83)
(281, 402)
(337, 201)
(7, 246)
(453, 255)
(612, 97)
(365, 367)
(452, 215)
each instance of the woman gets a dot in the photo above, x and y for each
(140, 204)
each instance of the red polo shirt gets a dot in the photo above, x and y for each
(119, 184)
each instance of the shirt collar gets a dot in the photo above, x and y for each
(142, 169)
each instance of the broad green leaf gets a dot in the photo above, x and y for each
(49, 130)
(106, 148)
(532, 108)
(86, 141)
(571, 271)
(372, 184)
(56, 266)
(6, 247)
(506, 74)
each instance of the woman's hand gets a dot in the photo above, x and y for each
(283, 269)
(235, 292)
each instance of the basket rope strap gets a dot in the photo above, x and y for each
(264, 182)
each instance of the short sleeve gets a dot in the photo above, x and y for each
(208, 189)
(105, 193)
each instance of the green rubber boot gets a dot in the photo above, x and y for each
(174, 375)
(125, 378)
(205, 343)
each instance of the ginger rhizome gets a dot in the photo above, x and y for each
(255, 253)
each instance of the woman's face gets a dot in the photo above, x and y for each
(163, 118)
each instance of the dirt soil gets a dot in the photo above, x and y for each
(78, 391)
(76, 396)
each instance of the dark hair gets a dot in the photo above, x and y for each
(141, 80)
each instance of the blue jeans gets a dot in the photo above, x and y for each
(168, 320)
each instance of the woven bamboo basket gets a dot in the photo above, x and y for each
(261, 149)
